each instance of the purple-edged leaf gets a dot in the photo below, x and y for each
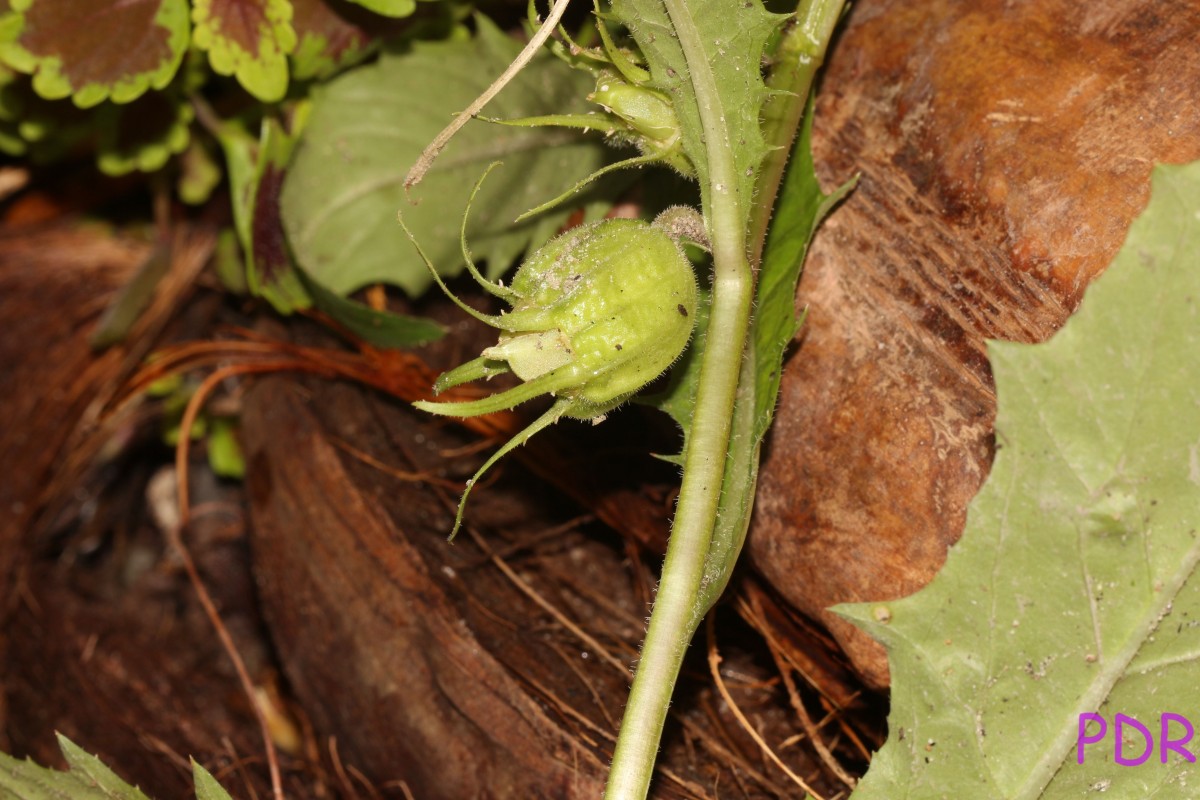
(94, 50)
(330, 35)
(249, 39)
(389, 8)
(256, 170)
(271, 274)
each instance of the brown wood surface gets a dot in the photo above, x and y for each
(1004, 148)
(433, 663)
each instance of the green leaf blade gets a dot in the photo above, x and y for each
(367, 127)
(377, 328)
(1073, 589)
(207, 787)
(800, 208)
(85, 779)
(270, 272)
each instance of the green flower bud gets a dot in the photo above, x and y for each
(649, 116)
(597, 313)
(645, 110)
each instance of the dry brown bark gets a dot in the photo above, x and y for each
(493, 667)
(1004, 148)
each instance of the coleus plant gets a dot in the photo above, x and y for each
(70, 79)
(133, 102)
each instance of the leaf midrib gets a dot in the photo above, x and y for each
(1106, 678)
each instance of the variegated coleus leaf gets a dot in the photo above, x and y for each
(249, 39)
(84, 49)
(332, 34)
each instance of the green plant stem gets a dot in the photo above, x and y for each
(682, 597)
(800, 54)
(797, 59)
(672, 622)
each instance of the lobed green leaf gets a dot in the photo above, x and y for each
(1073, 589)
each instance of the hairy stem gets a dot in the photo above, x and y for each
(734, 228)
(672, 621)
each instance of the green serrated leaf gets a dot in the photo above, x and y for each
(800, 208)
(347, 179)
(207, 787)
(81, 48)
(1073, 589)
(249, 39)
(378, 328)
(729, 36)
(90, 771)
(86, 779)
(389, 8)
